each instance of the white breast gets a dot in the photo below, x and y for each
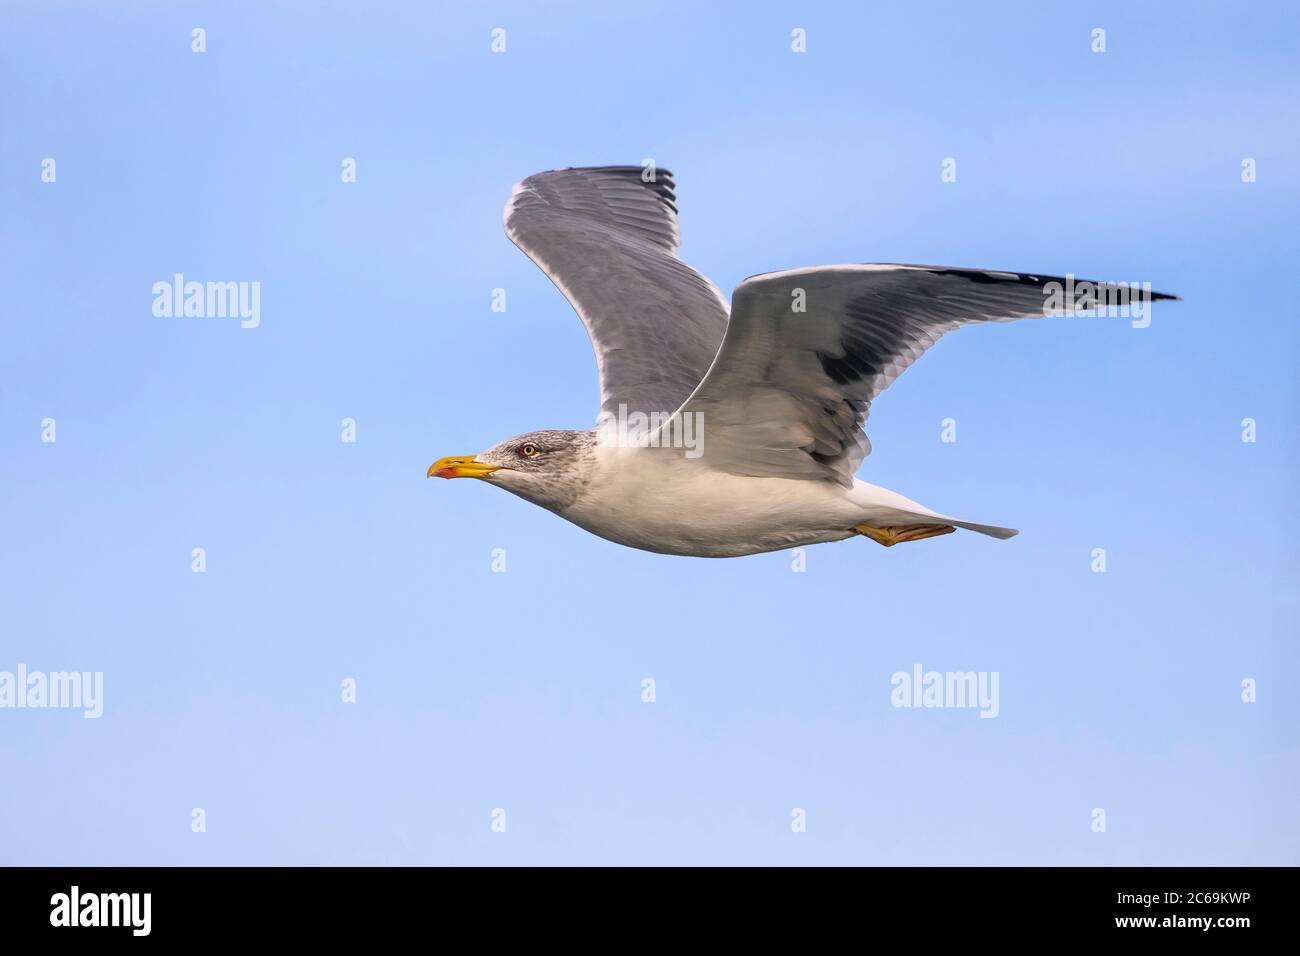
(658, 500)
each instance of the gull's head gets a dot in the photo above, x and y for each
(548, 468)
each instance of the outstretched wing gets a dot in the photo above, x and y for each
(608, 239)
(790, 389)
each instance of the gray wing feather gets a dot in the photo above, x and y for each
(790, 391)
(608, 239)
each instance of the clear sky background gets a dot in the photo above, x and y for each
(522, 690)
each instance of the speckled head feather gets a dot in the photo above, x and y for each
(548, 467)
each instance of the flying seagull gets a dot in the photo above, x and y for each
(732, 432)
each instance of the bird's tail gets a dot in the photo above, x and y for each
(992, 530)
(885, 508)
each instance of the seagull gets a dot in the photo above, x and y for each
(733, 431)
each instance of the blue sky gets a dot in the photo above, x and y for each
(521, 690)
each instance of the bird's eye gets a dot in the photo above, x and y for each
(528, 450)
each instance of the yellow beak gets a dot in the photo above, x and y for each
(460, 466)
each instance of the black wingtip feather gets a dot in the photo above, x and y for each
(989, 277)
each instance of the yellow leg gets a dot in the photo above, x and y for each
(899, 533)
